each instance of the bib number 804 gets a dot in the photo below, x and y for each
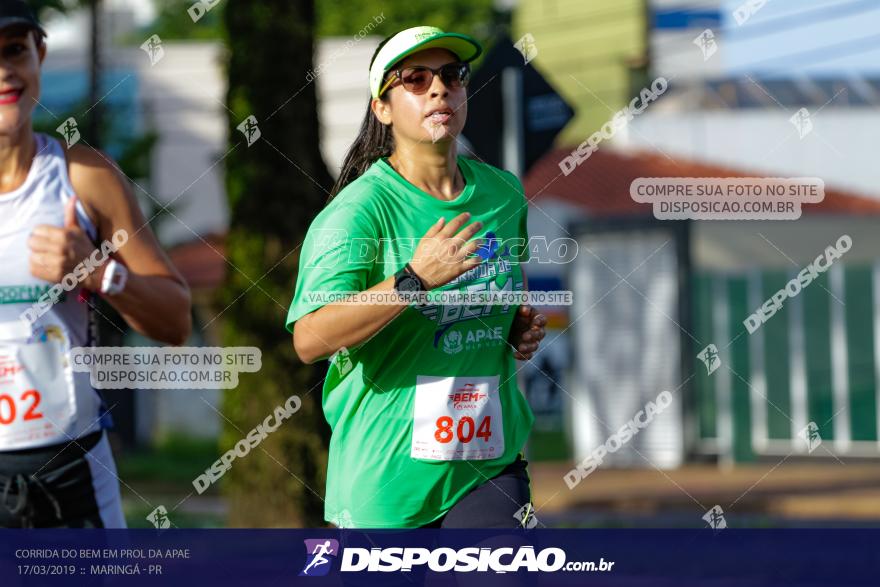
(465, 430)
(8, 409)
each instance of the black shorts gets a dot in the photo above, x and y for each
(501, 502)
(72, 484)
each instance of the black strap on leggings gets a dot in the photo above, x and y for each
(45, 486)
(23, 508)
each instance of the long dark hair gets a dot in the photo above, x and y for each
(374, 141)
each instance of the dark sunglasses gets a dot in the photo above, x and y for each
(418, 79)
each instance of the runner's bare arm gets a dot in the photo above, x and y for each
(321, 333)
(156, 299)
(442, 254)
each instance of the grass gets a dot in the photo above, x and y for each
(175, 460)
(163, 475)
(551, 445)
(136, 517)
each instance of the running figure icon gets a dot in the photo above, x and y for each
(319, 551)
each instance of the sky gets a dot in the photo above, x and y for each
(821, 38)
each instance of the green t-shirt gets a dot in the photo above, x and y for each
(436, 370)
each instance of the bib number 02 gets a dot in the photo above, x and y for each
(29, 401)
(37, 394)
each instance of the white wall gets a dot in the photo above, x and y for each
(184, 97)
(343, 83)
(841, 148)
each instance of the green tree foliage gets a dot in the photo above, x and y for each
(45, 8)
(347, 17)
(275, 188)
(173, 22)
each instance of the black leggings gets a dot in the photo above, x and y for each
(500, 502)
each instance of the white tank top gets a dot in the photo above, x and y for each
(41, 199)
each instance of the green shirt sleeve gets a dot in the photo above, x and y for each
(338, 255)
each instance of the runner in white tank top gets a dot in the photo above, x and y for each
(42, 199)
(56, 206)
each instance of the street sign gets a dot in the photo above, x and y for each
(531, 118)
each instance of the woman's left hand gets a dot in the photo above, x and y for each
(526, 332)
(57, 250)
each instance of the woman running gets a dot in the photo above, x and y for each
(56, 205)
(427, 421)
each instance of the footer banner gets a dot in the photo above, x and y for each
(612, 557)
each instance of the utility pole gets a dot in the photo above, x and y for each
(96, 113)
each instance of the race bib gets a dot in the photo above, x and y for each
(457, 418)
(37, 397)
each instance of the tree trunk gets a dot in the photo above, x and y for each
(275, 187)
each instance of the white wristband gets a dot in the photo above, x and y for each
(115, 276)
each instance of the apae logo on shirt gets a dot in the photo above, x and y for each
(454, 341)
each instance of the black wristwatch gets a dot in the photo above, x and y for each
(406, 280)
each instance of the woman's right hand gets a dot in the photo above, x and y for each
(442, 254)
